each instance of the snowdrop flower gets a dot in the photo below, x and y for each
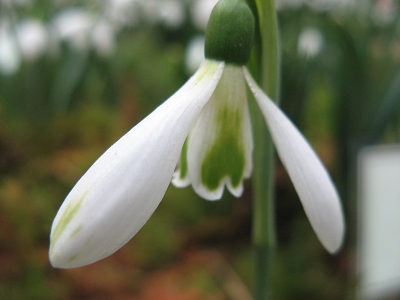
(200, 11)
(194, 54)
(74, 25)
(200, 136)
(84, 31)
(32, 38)
(310, 42)
(172, 13)
(10, 56)
(122, 13)
(103, 38)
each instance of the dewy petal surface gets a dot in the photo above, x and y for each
(310, 178)
(219, 147)
(121, 190)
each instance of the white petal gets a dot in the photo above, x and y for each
(310, 178)
(220, 144)
(118, 194)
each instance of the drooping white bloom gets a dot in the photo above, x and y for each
(122, 13)
(200, 136)
(74, 26)
(103, 38)
(310, 42)
(10, 56)
(172, 13)
(194, 54)
(119, 193)
(32, 38)
(83, 30)
(201, 10)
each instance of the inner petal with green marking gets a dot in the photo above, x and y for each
(220, 144)
(181, 177)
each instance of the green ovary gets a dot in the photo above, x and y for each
(225, 159)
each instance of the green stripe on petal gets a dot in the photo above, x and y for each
(183, 162)
(220, 144)
(226, 158)
(65, 219)
(180, 178)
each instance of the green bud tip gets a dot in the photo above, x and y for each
(230, 32)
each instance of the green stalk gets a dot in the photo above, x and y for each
(270, 49)
(264, 239)
(264, 236)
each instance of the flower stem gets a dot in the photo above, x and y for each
(270, 49)
(263, 211)
(264, 237)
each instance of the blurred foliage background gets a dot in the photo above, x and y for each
(76, 75)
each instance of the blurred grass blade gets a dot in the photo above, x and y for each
(68, 79)
(386, 112)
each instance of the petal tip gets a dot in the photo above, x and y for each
(338, 244)
(333, 237)
(62, 258)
